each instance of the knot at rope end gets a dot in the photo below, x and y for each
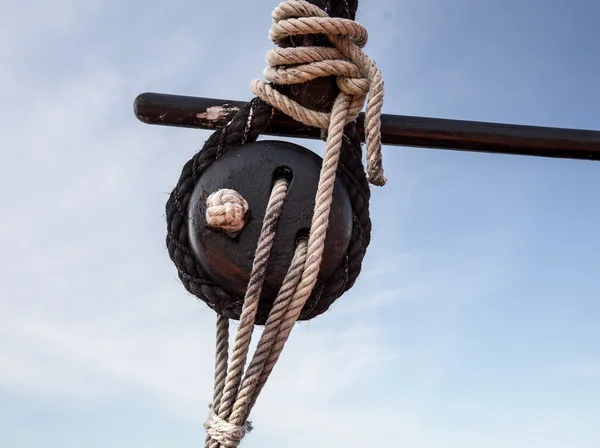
(226, 210)
(227, 434)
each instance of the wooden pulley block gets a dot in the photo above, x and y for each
(251, 170)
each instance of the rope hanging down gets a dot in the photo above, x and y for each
(357, 78)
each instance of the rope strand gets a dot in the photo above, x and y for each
(358, 79)
(257, 276)
(357, 75)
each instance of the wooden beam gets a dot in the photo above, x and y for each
(397, 130)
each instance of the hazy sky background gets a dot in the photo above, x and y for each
(475, 322)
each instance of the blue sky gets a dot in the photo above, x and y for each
(475, 322)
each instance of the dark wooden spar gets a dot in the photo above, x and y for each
(396, 130)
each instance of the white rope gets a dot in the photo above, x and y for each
(358, 79)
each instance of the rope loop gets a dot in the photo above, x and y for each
(357, 75)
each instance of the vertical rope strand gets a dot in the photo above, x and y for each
(358, 80)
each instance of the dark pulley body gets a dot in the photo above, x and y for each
(251, 169)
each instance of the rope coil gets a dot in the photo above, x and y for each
(357, 76)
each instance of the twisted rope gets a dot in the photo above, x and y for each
(357, 77)
(257, 276)
(227, 423)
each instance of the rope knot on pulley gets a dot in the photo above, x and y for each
(226, 209)
(357, 76)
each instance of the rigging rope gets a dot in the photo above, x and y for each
(358, 79)
(302, 295)
(357, 76)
